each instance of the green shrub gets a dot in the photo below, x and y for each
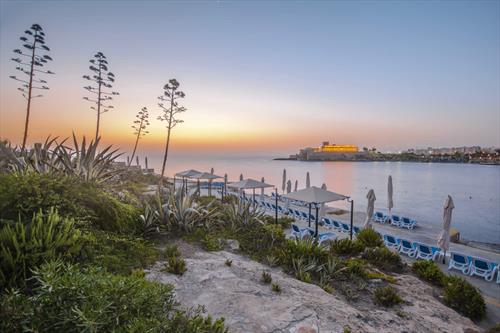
(26, 194)
(212, 243)
(260, 240)
(171, 251)
(276, 288)
(386, 296)
(464, 298)
(384, 259)
(345, 247)
(24, 247)
(176, 265)
(369, 238)
(307, 251)
(429, 271)
(266, 277)
(228, 262)
(118, 253)
(284, 221)
(70, 299)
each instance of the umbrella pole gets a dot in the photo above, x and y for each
(444, 257)
(316, 231)
(174, 183)
(309, 216)
(276, 204)
(253, 198)
(352, 217)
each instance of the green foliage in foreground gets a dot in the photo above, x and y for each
(72, 299)
(384, 259)
(117, 253)
(369, 238)
(430, 272)
(386, 296)
(464, 298)
(25, 194)
(25, 246)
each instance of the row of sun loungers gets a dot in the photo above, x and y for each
(300, 233)
(396, 220)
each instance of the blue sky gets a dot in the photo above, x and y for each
(271, 75)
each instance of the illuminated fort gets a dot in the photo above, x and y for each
(330, 152)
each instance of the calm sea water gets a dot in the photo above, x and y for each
(420, 189)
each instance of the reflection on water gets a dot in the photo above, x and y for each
(419, 188)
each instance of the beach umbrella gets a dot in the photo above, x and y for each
(444, 237)
(146, 162)
(315, 196)
(249, 184)
(296, 185)
(283, 184)
(241, 176)
(308, 180)
(224, 190)
(262, 190)
(369, 209)
(390, 203)
(137, 160)
(288, 186)
(210, 183)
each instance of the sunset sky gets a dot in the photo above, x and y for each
(267, 77)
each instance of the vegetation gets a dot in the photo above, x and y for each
(386, 296)
(69, 298)
(140, 125)
(102, 80)
(346, 247)
(176, 265)
(34, 43)
(276, 288)
(266, 277)
(170, 107)
(464, 298)
(369, 238)
(384, 259)
(430, 272)
(228, 262)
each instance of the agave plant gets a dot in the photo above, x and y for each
(183, 212)
(150, 220)
(42, 158)
(87, 162)
(241, 214)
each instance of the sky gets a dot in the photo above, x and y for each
(266, 77)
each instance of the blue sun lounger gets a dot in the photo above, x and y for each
(459, 262)
(391, 242)
(406, 247)
(322, 237)
(379, 217)
(299, 232)
(355, 229)
(345, 227)
(426, 252)
(482, 268)
(395, 220)
(407, 223)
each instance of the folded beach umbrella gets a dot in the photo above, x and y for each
(444, 237)
(288, 186)
(390, 203)
(308, 180)
(283, 184)
(241, 176)
(296, 185)
(369, 209)
(225, 184)
(262, 190)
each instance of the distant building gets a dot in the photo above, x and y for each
(331, 152)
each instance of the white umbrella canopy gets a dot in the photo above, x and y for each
(205, 175)
(308, 180)
(296, 185)
(283, 184)
(315, 195)
(188, 173)
(370, 208)
(444, 237)
(249, 184)
(390, 203)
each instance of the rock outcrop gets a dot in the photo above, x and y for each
(236, 293)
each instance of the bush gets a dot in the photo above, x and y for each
(369, 238)
(384, 259)
(306, 252)
(176, 265)
(464, 298)
(429, 271)
(24, 247)
(345, 247)
(118, 253)
(212, 243)
(386, 296)
(266, 278)
(70, 299)
(494, 329)
(276, 288)
(171, 251)
(285, 222)
(260, 240)
(228, 262)
(25, 194)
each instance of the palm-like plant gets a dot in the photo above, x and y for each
(41, 158)
(87, 162)
(240, 214)
(150, 220)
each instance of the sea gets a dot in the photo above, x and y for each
(420, 189)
